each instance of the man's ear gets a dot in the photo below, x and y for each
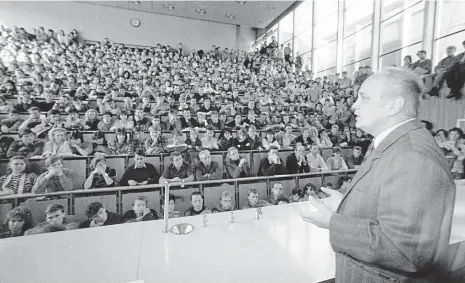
(396, 105)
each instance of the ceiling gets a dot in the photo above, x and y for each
(257, 14)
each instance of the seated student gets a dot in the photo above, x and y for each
(172, 212)
(19, 220)
(296, 195)
(173, 122)
(282, 200)
(225, 203)
(288, 138)
(272, 164)
(297, 161)
(19, 181)
(207, 169)
(336, 162)
(27, 146)
(107, 123)
(311, 190)
(254, 138)
(78, 145)
(225, 139)
(236, 166)
(177, 143)
(178, 170)
(55, 214)
(237, 123)
(140, 211)
(187, 121)
(123, 122)
(197, 205)
(276, 193)
(97, 215)
(253, 201)
(269, 140)
(315, 161)
(55, 179)
(121, 144)
(354, 160)
(101, 176)
(305, 138)
(156, 143)
(193, 141)
(215, 122)
(242, 142)
(57, 144)
(91, 120)
(140, 173)
(202, 120)
(141, 122)
(99, 144)
(73, 121)
(209, 141)
(325, 141)
(33, 119)
(12, 123)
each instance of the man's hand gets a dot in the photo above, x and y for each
(320, 217)
(144, 182)
(242, 162)
(132, 183)
(333, 200)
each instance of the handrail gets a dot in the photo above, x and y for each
(157, 186)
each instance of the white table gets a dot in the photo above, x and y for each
(279, 247)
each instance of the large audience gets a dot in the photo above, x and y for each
(165, 100)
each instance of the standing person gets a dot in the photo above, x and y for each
(400, 233)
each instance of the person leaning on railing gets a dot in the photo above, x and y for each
(19, 181)
(101, 176)
(56, 178)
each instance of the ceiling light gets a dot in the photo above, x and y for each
(257, 21)
(271, 6)
(135, 1)
(168, 6)
(230, 16)
(201, 11)
(241, 2)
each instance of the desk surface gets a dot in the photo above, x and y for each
(279, 247)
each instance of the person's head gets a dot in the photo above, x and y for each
(288, 129)
(337, 151)
(205, 157)
(107, 117)
(334, 130)
(226, 200)
(139, 205)
(450, 51)
(421, 54)
(455, 134)
(343, 182)
(54, 162)
(273, 151)
(296, 194)
(176, 159)
(98, 161)
(27, 136)
(407, 60)
(17, 165)
(139, 158)
(357, 151)
(121, 136)
(97, 212)
(252, 196)
(387, 98)
(13, 114)
(58, 135)
(427, 125)
(19, 219)
(233, 153)
(252, 131)
(193, 134)
(55, 214)
(310, 189)
(299, 150)
(210, 132)
(171, 202)
(91, 115)
(197, 201)
(277, 189)
(315, 149)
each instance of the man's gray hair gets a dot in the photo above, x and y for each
(405, 83)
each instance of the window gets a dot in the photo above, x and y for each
(450, 17)
(325, 57)
(303, 42)
(324, 8)
(286, 28)
(402, 29)
(358, 15)
(357, 46)
(325, 31)
(390, 8)
(327, 73)
(350, 69)
(303, 17)
(397, 58)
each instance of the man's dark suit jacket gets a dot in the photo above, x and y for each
(395, 218)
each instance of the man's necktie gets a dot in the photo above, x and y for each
(369, 150)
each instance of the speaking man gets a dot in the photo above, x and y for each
(395, 219)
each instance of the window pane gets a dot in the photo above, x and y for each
(326, 73)
(450, 17)
(392, 7)
(303, 17)
(396, 58)
(358, 14)
(403, 29)
(303, 42)
(326, 31)
(325, 57)
(441, 44)
(357, 46)
(286, 26)
(324, 8)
